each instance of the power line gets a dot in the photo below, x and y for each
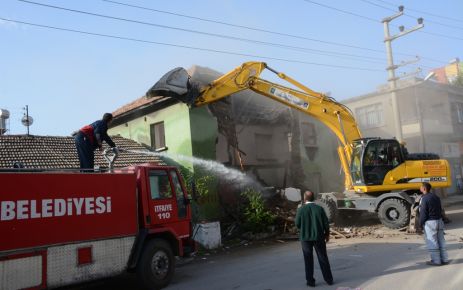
(441, 35)
(244, 27)
(412, 16)
(378, 5)
(186, 46)
(424, 12)
(303, 49)
(261, 30)
(272, 44)
(374, 20)
(342, 11)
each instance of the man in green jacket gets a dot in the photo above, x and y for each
(314, 232)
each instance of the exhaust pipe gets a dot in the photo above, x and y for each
(176, 84)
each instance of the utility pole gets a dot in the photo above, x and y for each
(391, 67)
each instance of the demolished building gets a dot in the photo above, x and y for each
(278, 146)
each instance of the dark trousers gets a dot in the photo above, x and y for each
(320, 249)
(85, 152)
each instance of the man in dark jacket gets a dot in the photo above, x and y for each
(91, 137)
(431, 222)
(312, 222)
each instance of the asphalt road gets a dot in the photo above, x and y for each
(365, 263)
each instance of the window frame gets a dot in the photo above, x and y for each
(155, 135)
(363, 112)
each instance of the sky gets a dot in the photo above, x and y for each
(118, 49)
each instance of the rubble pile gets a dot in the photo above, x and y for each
(285, 213)
(347, 226)
(377, 231)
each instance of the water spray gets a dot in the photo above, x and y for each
(224, 172)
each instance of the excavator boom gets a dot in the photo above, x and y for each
(335, 115)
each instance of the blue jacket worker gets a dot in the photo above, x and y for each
(314, 232)
(433, 226)
(91, 137)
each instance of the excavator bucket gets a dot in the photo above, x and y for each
(175, 84)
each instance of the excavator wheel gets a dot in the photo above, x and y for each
(330, 208)
(394, 213)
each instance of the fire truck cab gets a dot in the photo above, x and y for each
(60, 227)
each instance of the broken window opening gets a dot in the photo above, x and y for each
(158, 139)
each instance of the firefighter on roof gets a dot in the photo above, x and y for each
(91, 137)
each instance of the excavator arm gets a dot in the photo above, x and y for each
(334, 115)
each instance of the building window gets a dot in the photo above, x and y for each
(309, 139)
(370, 116)
(264, 146)
(158, 139)
(459, 107)
(309, 136)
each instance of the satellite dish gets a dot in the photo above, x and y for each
(27, 121)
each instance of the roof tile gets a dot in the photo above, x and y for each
(60, 152)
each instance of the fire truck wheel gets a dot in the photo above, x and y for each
(394, 213)
(156, 266)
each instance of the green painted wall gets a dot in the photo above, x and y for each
(176, 126)
(204, 130)
(180, 124)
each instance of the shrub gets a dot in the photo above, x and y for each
(257, 219)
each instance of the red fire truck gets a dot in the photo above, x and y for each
(61, 228)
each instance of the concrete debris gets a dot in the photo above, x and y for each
(285, 213)
(377, 231)
(378, 234)
(348, 227)
(292, 194)
(336, 234)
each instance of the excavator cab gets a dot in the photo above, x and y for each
(373, 158)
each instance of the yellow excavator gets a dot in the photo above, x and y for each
(380, 175)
